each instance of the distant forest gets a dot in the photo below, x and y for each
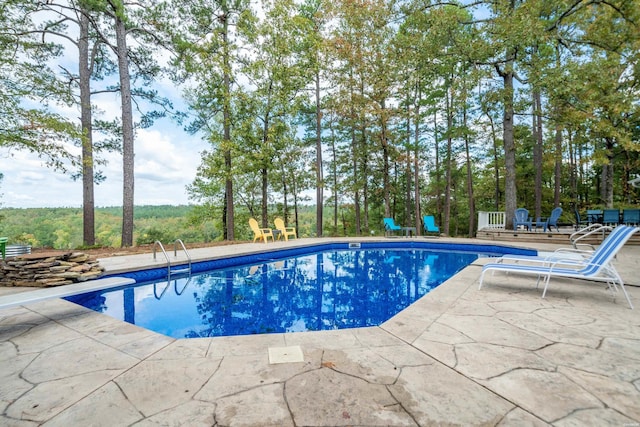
(61, 228)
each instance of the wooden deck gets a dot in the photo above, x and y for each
(554, 237)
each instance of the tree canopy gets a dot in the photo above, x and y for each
(393, 108)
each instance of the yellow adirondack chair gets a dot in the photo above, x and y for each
(260, 233)
(285, 231)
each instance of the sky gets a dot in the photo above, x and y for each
(166, 161)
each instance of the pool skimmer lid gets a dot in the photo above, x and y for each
(285, 354)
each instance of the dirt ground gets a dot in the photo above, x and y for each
(104, 252)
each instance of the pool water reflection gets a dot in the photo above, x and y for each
(333, 289)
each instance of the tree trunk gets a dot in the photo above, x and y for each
(356, 182)
(408, 175)
(229, 223)
(607, 175)
(127, 134)
(264, 173)
(356, 193)
(510, 191)
(627, 190)
(573, 170)
(471, 198)
(385, 161)
(581, 173)
(264, 188)
(285, 195)
(437, 167)
(319, 177)
(449, 161)
(365, 168)
(295, 212)
(364, 221)
(557, 181)
(334, 171)
(496, 168)
(558, 168)
(84, 71)
(537, 150)
(416, 166)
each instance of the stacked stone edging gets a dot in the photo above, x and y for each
(49, 269)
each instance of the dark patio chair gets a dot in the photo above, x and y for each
(580, 223)
(611, 217)
(631, 216)
(594, 216)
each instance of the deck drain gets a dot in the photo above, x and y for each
(285, 354)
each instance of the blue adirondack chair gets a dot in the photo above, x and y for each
(521, 217)
(430, 225)
(552, 221)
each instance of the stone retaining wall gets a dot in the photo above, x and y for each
(49, 269)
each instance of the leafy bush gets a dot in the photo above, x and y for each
(150, 235)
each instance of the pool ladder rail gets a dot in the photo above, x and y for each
(180, 269)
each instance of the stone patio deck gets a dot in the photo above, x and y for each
(458, 356)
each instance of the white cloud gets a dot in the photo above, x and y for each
(29, 177)
(166, 160)
(22, 197)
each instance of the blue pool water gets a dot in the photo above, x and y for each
(331, 289)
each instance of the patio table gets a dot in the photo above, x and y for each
(538, 223)
(408, 231)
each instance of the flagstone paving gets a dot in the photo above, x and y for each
(498, 356)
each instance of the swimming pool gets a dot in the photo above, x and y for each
(301, 289)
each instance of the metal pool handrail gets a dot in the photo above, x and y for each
(158, 243)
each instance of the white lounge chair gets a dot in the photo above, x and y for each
(564, 256)
(597, 268)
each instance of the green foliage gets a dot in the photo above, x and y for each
(61, 228)
(29, 89)
(150, 235)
